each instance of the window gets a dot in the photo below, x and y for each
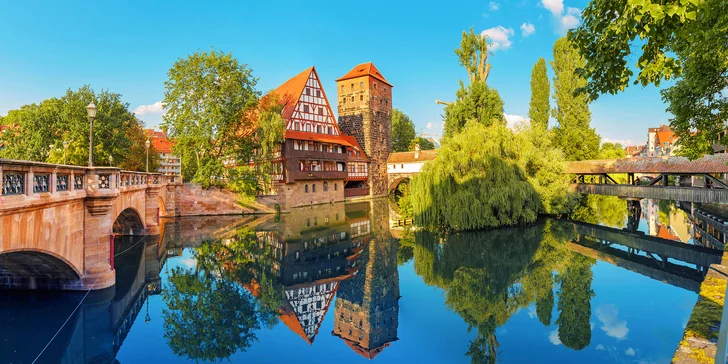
(308, 91)
(305, 189)
(318, 93)
(375, 85)
(401, 166)
(394, 166)
(331, 130)
(344, 100)
(308, 127)
(352, 99)
(297, 126)
(326, 186)
(296, 146)
(342, 88)
(318, 129)
(361, 84)
(321, 111)
(313, 188)
(305, 107)
(352, 87)
(361, 97)
(336, 188)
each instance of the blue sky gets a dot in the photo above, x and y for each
(127, 47)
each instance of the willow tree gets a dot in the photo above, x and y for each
(489, 177)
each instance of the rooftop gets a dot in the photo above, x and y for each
(409, 157)
(716, 163)
(365, 69)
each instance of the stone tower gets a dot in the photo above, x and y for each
(365, 112)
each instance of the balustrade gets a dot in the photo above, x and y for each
(62, 182)
(13, 184)
(41, 183)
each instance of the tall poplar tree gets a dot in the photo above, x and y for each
(573, 135)
(538, 111)
(403, 131)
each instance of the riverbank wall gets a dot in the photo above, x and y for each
(699, 342)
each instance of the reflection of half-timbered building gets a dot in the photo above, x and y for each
(313, 251)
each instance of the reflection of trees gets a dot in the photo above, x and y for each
(406, 246)
(209, 314)
(598, 209)
(489, 275)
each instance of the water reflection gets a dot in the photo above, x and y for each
(226, 288)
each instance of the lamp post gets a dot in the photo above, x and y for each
(50, 149)
(91, 110)
(147, 144)
(65, 148)
(442, 102)
(111, 161)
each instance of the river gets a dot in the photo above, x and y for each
(335, 283)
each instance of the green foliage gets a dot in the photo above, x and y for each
(540, 91)
(425, 144)
(118, 134)
(476, 102)
(207, 97)
(489, 177)
(403, 131)
(405, 252)
(611, 151)
(680, 39)
(599, 209)
(574, 302)
(473, 56)
(572, 135)
(269, 135)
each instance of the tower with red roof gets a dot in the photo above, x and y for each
(365, 112)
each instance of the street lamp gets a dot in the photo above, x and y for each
(147, 144)
(65, 148)
(91, 110)
(111, 160)
(50, 149)
(441, 102)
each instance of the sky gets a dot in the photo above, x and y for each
(47, 47)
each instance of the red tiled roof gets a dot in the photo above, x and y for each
(367, 353)
(716, 163)
(290, 91)
(162, 145)
(409, 157)
(664, 233)
(355, 145)
(365, 69)
(322, 138)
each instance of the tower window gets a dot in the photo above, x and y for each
(305, 189)
(342, 88)
(352, 87)
(352, 99)
(326, 186)
(313, 188)
(375, 85)
(361, 97)
(361, 84)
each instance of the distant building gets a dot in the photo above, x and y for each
(409, 162)
(169, 164)
(634, 151)
(661, 141)
(719, 145)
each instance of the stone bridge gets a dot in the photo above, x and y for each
(58, 222)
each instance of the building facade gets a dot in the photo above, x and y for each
(318, 163)
(365, 112)
(661, 142)
(169, 164)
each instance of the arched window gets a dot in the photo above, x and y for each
(326, 186)
(313, 188)
(305, 189)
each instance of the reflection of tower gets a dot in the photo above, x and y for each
(634, 212)
(650, 208)
(367, 306)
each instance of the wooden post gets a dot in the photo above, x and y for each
(664, 179)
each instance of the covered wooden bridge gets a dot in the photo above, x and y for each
(665, 178)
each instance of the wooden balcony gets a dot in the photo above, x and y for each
(315, 175)
(315, 155)
(354, 192)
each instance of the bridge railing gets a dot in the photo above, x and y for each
(23, 180)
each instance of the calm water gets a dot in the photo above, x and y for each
(334, 283)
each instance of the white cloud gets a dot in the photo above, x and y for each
(624, 142)
(608, 315)
(532, 312)
(155, 108)
(527, 29)
(570, 20)
(554, 337)
(498, 38)
(600, 347)
(493, 6)
(630, 352)
(513, 121)
(556, 7)
(429, 125)
(188, 262)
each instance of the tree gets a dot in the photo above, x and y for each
(572, 134)
(680, 39)
(540, 91)
(42, 128)
(476, 101)
(207, 96)
(425, 144)
(574, 303)
(489, 177)
(403, 131)
(611, 151)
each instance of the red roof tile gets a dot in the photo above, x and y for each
(322, 138)
(290, 91)
(355, 145)
(409, 157)
(365, 69)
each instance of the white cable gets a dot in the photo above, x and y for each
(79, 305)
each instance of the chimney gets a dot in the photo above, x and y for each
(417, 151)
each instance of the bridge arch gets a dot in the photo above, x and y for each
(129, 222)
(36, 269)
(397, 181)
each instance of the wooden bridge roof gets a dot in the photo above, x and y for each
(717, 163)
